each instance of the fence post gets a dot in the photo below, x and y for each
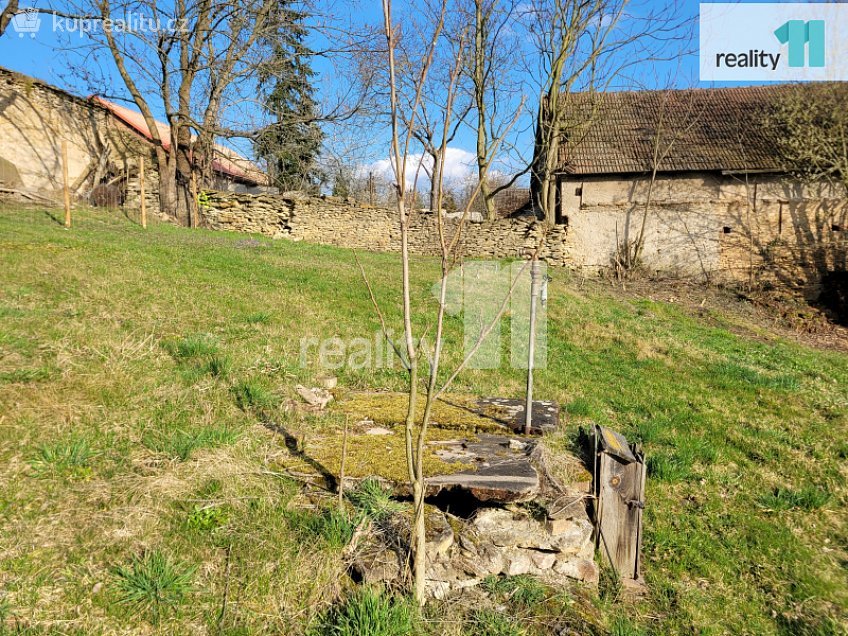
(65, 186)
(141, 192)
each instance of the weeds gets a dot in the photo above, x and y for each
(806, 498)
(153, 584)
(487, 622)
(180, 444)
(68, 459)
(253, 394)
(199, 355)
(370, 612)
(522, 590)
(331, 525)
(258, 318)
(375, 501)
(206, 518)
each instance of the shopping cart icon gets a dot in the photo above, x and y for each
(27, 21)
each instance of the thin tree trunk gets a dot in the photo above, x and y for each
(7, 15)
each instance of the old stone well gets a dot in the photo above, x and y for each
(498, 502)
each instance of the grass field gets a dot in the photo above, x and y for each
(140, 494)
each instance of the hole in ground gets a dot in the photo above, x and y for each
(458, 502)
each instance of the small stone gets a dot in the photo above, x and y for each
(517, 445)
(378, 430)
(97, 587)
(315, 396)
(439, 590)
(579, 569)
(518, 562)
(543, 560)
(559, 526)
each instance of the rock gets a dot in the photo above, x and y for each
(378, 430)
(578, 569)
(543, 560)
(503, 529)
(376, 564)
(439, 590)
(315, 396)
(517, 444)
(439, 533)
(518, 562)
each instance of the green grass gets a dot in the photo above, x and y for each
(522, 590)
(69, 458)
(488, 622)
(330, 525)
(374, 500)
(153, 584)
(180, 444)
(369, 612)
(137, 369)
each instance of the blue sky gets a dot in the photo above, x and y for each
(46, 57)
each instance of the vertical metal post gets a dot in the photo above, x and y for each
(535, 284)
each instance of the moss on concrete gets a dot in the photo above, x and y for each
(453, 412)
(381, 455)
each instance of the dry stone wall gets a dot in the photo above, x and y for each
(332, 221)
(699, 226)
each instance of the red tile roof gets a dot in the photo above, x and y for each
(226, 161)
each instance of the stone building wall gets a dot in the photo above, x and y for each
(718, 227)
(334, 222)
(36, 118)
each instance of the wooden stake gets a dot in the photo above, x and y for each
(141, 192)
(65, 184)
(193, 220)
(342, 464)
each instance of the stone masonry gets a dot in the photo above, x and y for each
(332, 221)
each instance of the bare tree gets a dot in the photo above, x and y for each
(494, 87)
(585, 45)
(425, 384)
(7, 14)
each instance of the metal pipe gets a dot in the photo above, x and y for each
(535, 283)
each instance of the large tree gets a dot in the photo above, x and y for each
(291, 144)
(195, 62)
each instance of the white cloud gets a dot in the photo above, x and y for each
(459, 166)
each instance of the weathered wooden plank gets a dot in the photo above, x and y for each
(615, 444)
(620, 491)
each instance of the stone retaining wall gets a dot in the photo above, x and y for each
(332, 221)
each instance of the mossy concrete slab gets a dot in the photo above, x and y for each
(453, 411)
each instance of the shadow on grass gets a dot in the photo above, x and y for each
(295, 449)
